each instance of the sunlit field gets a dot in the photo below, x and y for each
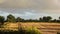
(44, 28)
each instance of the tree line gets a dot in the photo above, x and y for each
(11, 18)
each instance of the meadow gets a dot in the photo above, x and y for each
(43, 27)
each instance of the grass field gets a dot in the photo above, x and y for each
(45, 28)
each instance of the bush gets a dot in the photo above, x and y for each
(29, 30)
(33, 30)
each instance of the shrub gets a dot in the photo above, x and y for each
(29, 30)
(33, 30)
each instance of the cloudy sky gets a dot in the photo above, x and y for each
(30, 9)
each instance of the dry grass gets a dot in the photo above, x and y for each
(10, 26)
(51, 28)
(44, 27)
(41, 25)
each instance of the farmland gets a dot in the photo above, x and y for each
(45, 28)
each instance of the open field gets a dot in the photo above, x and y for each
(45, 28)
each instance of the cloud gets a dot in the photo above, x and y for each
(30, 8)
(34, 4)
(31, 4)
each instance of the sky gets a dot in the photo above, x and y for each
(30, 9)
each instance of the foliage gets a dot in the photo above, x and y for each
(18, 19)
(2, 19)
(29, 30)
(45, 19)
(11, 18)
(33, 30)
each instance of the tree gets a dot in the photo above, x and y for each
(18, 19)
(40, 19)
(47, 19)
(11, 18)
(59, 17)
(2, 19)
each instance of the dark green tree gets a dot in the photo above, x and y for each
(11, 18)
(40, 19)
(18, 19)
(59, 17)
(2, 19)
(47, 19)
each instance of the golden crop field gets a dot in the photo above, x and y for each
(45, 28)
